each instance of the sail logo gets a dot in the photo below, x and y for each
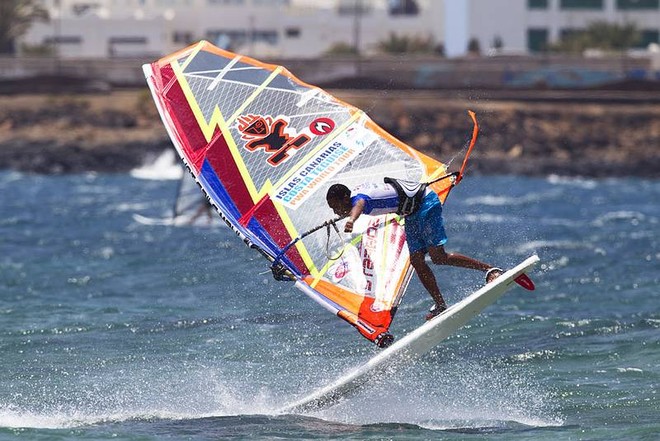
(273, 135)
(314, 173)
(368, 248)
(322, 126)
(339, 270)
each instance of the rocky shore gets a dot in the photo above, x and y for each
(119, 130)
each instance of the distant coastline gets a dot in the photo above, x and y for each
(607, 134)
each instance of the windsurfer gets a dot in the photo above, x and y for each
(425, 232)
(204, 209)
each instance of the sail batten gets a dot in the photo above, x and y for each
(265, 147)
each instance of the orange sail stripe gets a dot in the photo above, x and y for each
(473, 141)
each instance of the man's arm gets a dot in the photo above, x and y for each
(356, 211)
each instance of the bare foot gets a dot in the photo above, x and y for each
(435, 310)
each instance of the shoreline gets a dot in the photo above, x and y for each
(119, 130)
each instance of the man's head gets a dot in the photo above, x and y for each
(339, 199)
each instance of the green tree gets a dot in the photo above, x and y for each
(406, 45)
(613, 36)
(16, 17)
(474, 48)
(341, 49)
(600, 35)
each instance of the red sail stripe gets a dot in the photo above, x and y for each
(217, 153)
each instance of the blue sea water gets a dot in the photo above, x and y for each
(111, 329)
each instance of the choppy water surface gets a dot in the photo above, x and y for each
(116, 330)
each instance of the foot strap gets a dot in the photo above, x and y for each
(435, 311)
(493, 270)
(522, 280)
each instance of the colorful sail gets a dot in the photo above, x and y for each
(265, 147)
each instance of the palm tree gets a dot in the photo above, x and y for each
(16, 17)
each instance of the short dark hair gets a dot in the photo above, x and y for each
(337, 191)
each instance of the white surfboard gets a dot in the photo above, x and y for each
(144, 220)
(179, 221)
(418, 342)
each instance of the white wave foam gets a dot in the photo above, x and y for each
(463, 395)
(165, 167)
(634, 217)
(500, 200)
(201, 393)
(535, 355)
(573, 181)
(18, 419)
(486, 218)
(535, 246)
(491, 200)
(630, 369)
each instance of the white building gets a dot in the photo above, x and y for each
(263, 28)
(528, 26)
(309, 28)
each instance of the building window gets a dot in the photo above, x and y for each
(271, 2)
(225, 2)
(83, 8)
(227, 39)
(183, 37)
(403, 7)
(537, 40)
(637, 4)
(128, 40)
(64, 39)
(567, 33)
(647, 37)
(269, 37)
(292, 32)
(537, 4)
(233, 39)
(351, 7)
(126, 46)
(581, 4)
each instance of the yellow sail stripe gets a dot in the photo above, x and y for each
(217, 120)
(254, 95)
(208, 128)
(329, 263)
(286, 220)
(300, 246)
(193, 53)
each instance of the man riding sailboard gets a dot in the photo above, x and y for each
(271, 152)
(424, 226)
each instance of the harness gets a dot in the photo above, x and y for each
(410, 195)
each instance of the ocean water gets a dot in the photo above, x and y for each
(110, 329)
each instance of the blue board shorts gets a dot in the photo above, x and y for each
(425, 228)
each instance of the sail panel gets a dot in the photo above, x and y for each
(189, 198)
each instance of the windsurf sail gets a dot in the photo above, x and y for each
(189, 199)
(265, 147)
